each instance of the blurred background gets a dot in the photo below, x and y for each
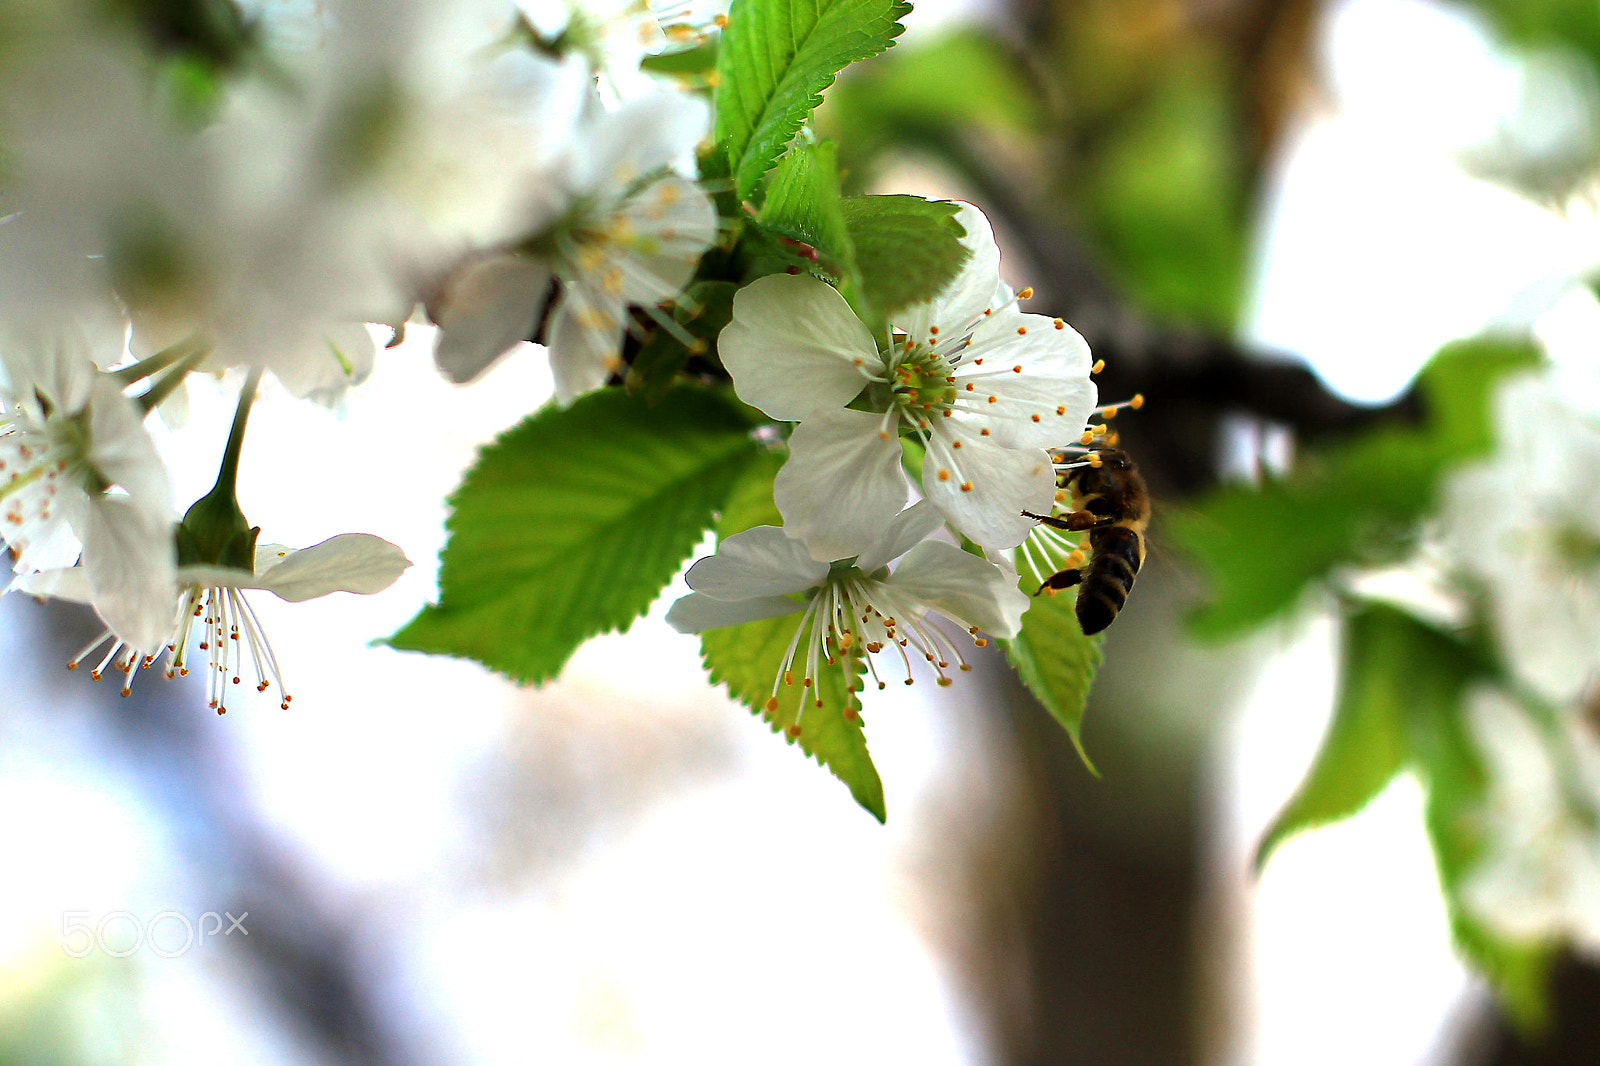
(1265, 215)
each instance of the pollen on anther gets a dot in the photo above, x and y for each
(793, 731)
(1061, 410)
(1034, 417)
(994, 399)
(971, 387)
(772, 705)
(984, 432)
(1059, 324)
(1026, 294)
(944, 475)
(966, 486)
(1087, 438)
(1137, 401)
(981, 642)
(1099, 365)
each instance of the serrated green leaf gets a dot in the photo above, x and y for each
(1353, 504)
(570, 524)
(907, 248)
(776, 58)
(1055, 660)
(1365, 746)
(746, 658)
(802, 204)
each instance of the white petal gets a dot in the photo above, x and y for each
(910, 527)
(1003, 483)
(660, 130)
(585, 338)
(795, 348)
(842, 484)
(1044, 404)
(972, 290)
(332, 357)
(669, 223)
(698, 612)
(351, 562)
(762, 561)
(486, 311)
(962, 587)
(62, 583)
(121, 449)
(130, 563)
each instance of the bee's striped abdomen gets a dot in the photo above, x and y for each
(1118, 551)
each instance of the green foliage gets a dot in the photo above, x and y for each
(1366, 745)
(927, 91)
(777, 57)
(1055, 660)
(1352, 504)
(907, 248)
(802, 204)
(570, 524)
(1163, 193)
(703, 310)
(1400, 707)
(1574, 24)
(745, 658)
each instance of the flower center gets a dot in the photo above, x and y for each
(924, 384)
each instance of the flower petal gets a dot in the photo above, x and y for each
(795, 348)
(122, 451)
(910, 527)
(763, 561)
(964, 300)
(130, 561)
(962, 587)
(842, 484)
(698, 612)
(490, 307)
(70, 583)
(1037, 368)
(351, 562)
(982, 488)
(585, 338)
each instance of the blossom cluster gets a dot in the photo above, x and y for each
(986, 393)
(1522, 528)
(244, 199)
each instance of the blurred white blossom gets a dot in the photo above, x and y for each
(1525, 524)
(1539, 878)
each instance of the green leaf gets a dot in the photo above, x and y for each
(776, 58)
(1366, 742)
(907, 248)
(570, 524)
(1432, 672)
(1055, 660)
(802, 204)
(745, 659)
(1353, 504)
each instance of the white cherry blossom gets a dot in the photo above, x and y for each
(764, 573)
(1539, 877)
(1526, 525)
(632, 234)
(984, 387)
(79, 474)
(211, 616)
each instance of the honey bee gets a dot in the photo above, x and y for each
(1110, 501)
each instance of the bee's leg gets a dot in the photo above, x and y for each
(1061, 579)
(1073, 521)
